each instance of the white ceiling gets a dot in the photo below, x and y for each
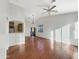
(34, 6)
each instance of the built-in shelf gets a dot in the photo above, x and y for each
(15, 27)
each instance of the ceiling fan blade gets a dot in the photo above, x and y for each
(45, 9)
(44, 12)
(54, 11)
(53, 7)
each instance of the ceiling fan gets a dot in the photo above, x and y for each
(49, 9)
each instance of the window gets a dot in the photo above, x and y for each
(58, 35)
(63, 34)
(66, 33)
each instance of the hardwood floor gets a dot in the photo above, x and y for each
(39, 48)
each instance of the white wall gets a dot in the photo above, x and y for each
(54, 22)
(3, 28)
(14, 13)
(3, 38)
